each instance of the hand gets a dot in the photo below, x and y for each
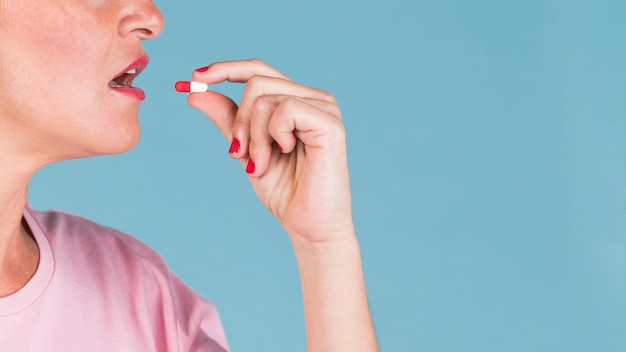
(291, 141)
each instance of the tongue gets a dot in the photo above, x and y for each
(120, 81)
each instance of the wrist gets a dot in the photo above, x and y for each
(333, 289)
(336, 245)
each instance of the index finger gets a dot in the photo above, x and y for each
(235, 71)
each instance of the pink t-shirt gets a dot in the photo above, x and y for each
(97, 289)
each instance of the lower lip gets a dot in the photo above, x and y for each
(132, 92)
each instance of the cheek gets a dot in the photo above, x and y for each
(67, 67)
(51, 70)
(57, 51)
(53, 91)
(70, 54)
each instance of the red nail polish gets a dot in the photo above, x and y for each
(250, 167)
(202, 69)
(234, 146)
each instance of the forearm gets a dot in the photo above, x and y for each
(335, 302)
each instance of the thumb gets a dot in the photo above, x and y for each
(219, 108)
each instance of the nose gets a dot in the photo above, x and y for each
(141, 18)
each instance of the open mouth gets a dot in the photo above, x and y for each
(125, 80)
(123, 83)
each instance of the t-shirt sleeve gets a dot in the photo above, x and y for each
(199, 325)
(107, 291)
(195, 319)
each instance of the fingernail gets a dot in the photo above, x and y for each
(250, 167)
(234, 146)
(202, 69)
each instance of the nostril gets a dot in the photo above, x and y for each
(146, 32)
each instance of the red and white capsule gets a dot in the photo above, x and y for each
(191, 87)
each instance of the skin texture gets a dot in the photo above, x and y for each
(74, 48)
(71, 50)
(291, 142)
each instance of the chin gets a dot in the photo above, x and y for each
(111, 139)
(122, 147)
(122, 142)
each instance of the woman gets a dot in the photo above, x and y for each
(68, 284)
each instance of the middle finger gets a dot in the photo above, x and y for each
(259, 86)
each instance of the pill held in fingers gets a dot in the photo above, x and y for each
(190, 87)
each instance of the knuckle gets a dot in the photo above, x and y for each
(260, 105)
(255, 85)
(288, 104)
(256, 61)
(338, 129)
(253, 144)
(335, 110)
(240, 121)
(253, 82)
(257, 144)
(335, 129)
(328, 96)
(292, 102)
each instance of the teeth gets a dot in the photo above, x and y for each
(125, 79)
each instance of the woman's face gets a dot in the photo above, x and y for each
(60, 65)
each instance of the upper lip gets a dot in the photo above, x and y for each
(125, 78)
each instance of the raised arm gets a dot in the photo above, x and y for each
(291, 141)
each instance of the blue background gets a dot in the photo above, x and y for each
(486, 145)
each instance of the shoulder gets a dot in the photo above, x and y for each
(122, 279)
(112, 269)
(80, 236)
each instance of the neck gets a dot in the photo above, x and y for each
(19, 255)
(21, 155)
